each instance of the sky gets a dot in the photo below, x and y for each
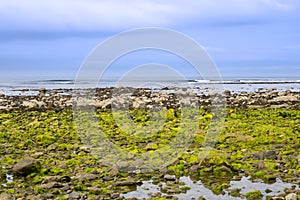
(245, 38)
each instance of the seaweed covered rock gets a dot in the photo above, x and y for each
(26, 166)
(254, 195)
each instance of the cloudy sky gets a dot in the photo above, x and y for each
(243, 37)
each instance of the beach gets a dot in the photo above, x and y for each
(44, 157)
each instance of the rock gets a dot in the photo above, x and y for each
(115, 195)
(261, 165)
(169, 177)
(122, 165)
(47, 196)
(113, 172)
(66, 188)
(173, 190)
(94, 190)
(43, 90)
(224, 169)
(285, 99)
(268, 190)
(194, 168)
(254, 195)
(51, 185)
(271, 154)
(151, 146)
(29, 104)
(26, 166)
(99, 197)
(128, 182)
(37, 154)
(107, 178)
(86, 177)
(235, 192)
(277, 198)
(291, 196)
(270, 179)
(56, 179)
(6, 197)
(74, 196)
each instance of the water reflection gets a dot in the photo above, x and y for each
(197, 189)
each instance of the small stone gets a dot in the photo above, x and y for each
(122, 165)
(26, 166)
(47, 196)
(291, 196)
(128, 182)
(235, 192)
(194, 168)
(37, 154)
(107, 178)
(51, 185)
(173, 190)
(169, 177)
(113, 172)
(66, 188)
(271, 154)
(74, 196)
(51, 179)
(114, 195)
(244, 150)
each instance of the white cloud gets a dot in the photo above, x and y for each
(115, 15)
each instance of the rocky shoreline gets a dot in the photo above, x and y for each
(143, 98)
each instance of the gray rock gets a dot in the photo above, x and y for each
(26, 166)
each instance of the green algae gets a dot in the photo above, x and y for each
(262, 143)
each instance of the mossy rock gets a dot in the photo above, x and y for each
(254, 195)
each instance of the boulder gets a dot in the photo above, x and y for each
(26, 166)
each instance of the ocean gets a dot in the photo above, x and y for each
(27, 86)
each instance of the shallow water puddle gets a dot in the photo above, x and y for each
(246, 185)
(197, 189)
(9, 179)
